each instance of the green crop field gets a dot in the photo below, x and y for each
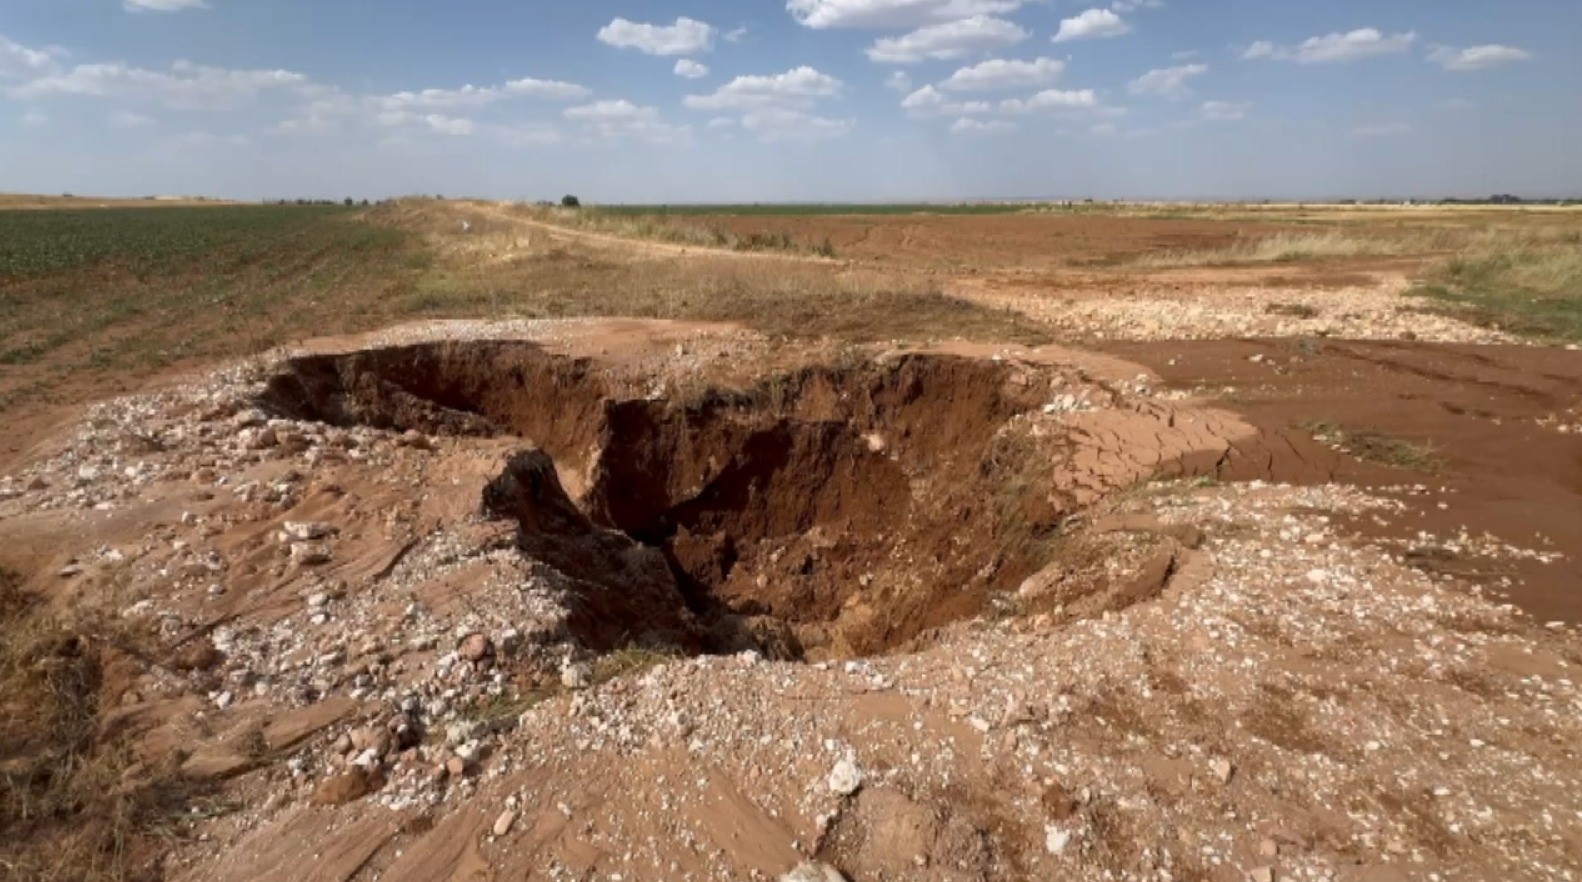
(111, 290)
(34, 243)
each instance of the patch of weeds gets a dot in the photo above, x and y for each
(1534, 292)
(24, 354)
(1294, 310)
(631, 660)
(501, 712)
(70, 805)
(1308, 346)
(1027, 521)
(765, 241)
(1438, 561)
(1377, 447)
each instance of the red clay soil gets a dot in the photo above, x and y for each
(1477, 408)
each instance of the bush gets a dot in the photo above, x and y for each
(569, 201)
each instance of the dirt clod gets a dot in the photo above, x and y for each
(349, 786)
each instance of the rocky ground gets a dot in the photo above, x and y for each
(369, 670)
(1202, 306)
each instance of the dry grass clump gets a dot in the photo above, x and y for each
(73, 805)
(1317, 245)
(1376, 447)
(1355, 240)
(1528, 284)
(51, 781)
(1525, 278)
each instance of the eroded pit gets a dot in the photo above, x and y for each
(821, 511)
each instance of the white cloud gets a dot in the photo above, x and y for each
(19, 60)
(796, 89)
(33, 119)
(998, 73)
(778, 107)
(899, 81)
(1477, 57)
(620, 118)
(955, 39)
(187, 85)
(448, 125)
(686, 37)
(1382, 130)
(1052, 99)
(328, 109)
(1223, 111)
(1105, 129)
(1334, 48)
(649, 131)
(475, 96)
(618, 110)
(781, 124)
(736, 35)
(123, 119)
(438, 99)
(1170, 82)
(893, 14)
(980, 127)
(1093, 24)
(331, 108)
(162, 5)
(1184, 55)
(549, 90)
(690, 69)
(930, 102)
(436, 122)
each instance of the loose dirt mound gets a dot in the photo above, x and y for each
(827, 510)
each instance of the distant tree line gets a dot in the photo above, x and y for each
(1508, 199)
(348, 202)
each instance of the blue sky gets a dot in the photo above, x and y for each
(764, 100)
